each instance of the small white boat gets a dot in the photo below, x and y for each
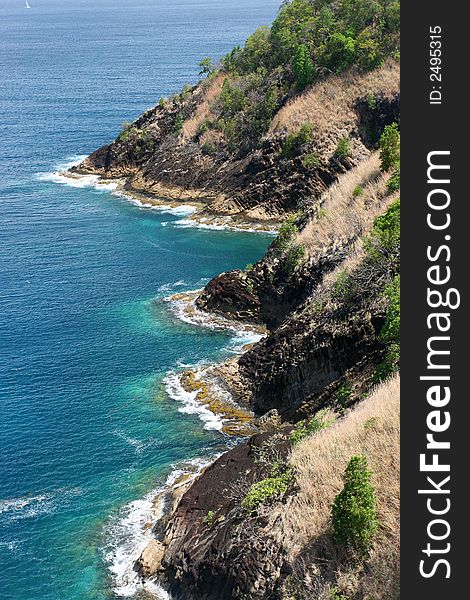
(27, 4)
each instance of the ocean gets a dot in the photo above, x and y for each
(90, 426)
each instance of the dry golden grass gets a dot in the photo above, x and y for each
(331, 101)
(372, 430)
(344, 216)
(203, 110)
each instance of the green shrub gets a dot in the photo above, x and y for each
(303, 66)
(334, 593)
(207, 66)
(289, 146)
(371, 102)
(208, 148)
(186, 91)
(371, 424)
(293, 257)
(354, 514)
(233, 99)
(267, 490)
(179, 122)
(358, 191)
(305, 428)
(343, 395)
(390, 148)
(286, 235)
(294, 141)
(390, 332)
(209, 518)
(128, 131)
(383, 243)
(203, 127)
(393, 184)
(342, 286)
(305, 134)
(340, 52)
(343, 148)
(312, 160)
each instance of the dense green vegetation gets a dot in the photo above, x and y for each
(343, 148)
(390, 333)
(378, 276)
(303, 429)
(383, 243)
(286, 235)
(269, 489)
(390, 155)
(354, 515)
(290, 253)
(308, 40)
(294, 141)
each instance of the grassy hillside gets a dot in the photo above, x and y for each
(321, 569)
(308, 41)
(274, 123)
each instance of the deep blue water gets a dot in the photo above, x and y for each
(86, 423)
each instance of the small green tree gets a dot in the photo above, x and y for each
(390, 148)
(343, 148)
(340, 52)
(179, 122)
(286, 235)
(303, 67)
(354, 514)
(390, 332)
(207, 66)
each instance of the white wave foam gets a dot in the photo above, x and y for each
(130, 532)
(180, 210)
(28, 507)
(17, 504)
(127, 537)
(59, 175)
(189, 404)
(140, 446)
(242, 334)
(244, 338)
(202, 224)
(166, 287)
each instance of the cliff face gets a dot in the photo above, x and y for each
(210, 553)
(213, 548)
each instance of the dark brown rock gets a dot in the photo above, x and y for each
(214, 551)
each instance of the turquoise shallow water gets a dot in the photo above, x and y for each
(87, 426)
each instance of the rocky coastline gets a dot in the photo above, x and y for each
(318, 300)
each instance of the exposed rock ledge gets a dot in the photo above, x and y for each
(203, 549)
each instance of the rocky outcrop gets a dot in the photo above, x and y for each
(213, 551)
(259, 184)
(150, 561)
(299, 366)
(267, 294)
